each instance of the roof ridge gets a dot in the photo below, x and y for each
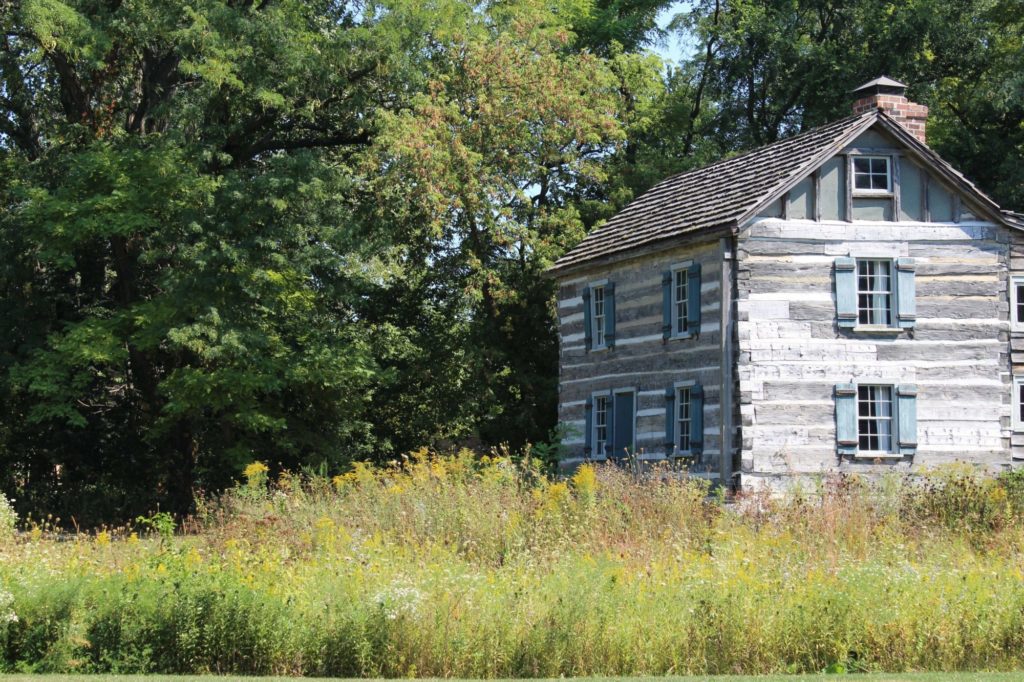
(662, 185)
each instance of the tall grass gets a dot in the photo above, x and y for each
(458, 566)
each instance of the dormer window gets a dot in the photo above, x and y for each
(872, 174)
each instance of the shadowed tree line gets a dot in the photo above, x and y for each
(313, 231)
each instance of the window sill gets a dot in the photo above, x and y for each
(876, 329)
(600, 349)
(878, 455)
(680, 337)
(872, 194)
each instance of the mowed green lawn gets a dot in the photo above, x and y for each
(884, 677)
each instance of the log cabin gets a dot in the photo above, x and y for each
(843, 300)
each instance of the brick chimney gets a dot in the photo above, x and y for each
(886, 94)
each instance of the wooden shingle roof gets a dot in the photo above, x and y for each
(729, 192)
(715, 195)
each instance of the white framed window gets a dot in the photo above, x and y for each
(872, 174)
(1017, 404)
(597, 315)
(875, 292)
(680, 301)
(684, 419)
(1017, 302)
(600, 439)
(875, 419)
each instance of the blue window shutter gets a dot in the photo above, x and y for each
(588, 436)
(666, 304)
(609, 314)
(670, 421)
(588, 336)
(846, 419)
(696, 419)
(846, 291)
(906, 308)
(693, 299)
(906, 413)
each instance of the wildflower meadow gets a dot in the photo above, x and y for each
(463, 566)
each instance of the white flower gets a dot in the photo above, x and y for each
(7, 614)
(398, 600)
(8, 519)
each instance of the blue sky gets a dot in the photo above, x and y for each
(674, 47)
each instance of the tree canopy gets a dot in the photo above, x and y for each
(314, 231)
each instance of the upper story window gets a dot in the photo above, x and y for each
(598, 313)
(600, 425)
(680, 302)
(874, 292)
(875, 295)
(874, 419)
(872, 174)
(1017, 302)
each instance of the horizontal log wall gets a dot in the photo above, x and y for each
(792, 353)
(641, 359)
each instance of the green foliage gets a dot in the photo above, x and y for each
(177, 284)
(480, 567)
(603, 26)
(238, 229)
(978, 106)
(160, 523)
(489, 159)
(315, 232)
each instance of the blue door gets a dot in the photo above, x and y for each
(625, 417)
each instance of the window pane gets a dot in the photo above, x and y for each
(874, 292)
(683, 418)
(1020, 303)
(681, 298)
(871, 172)
(874, 418)
(598, 315)
(600, 425)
